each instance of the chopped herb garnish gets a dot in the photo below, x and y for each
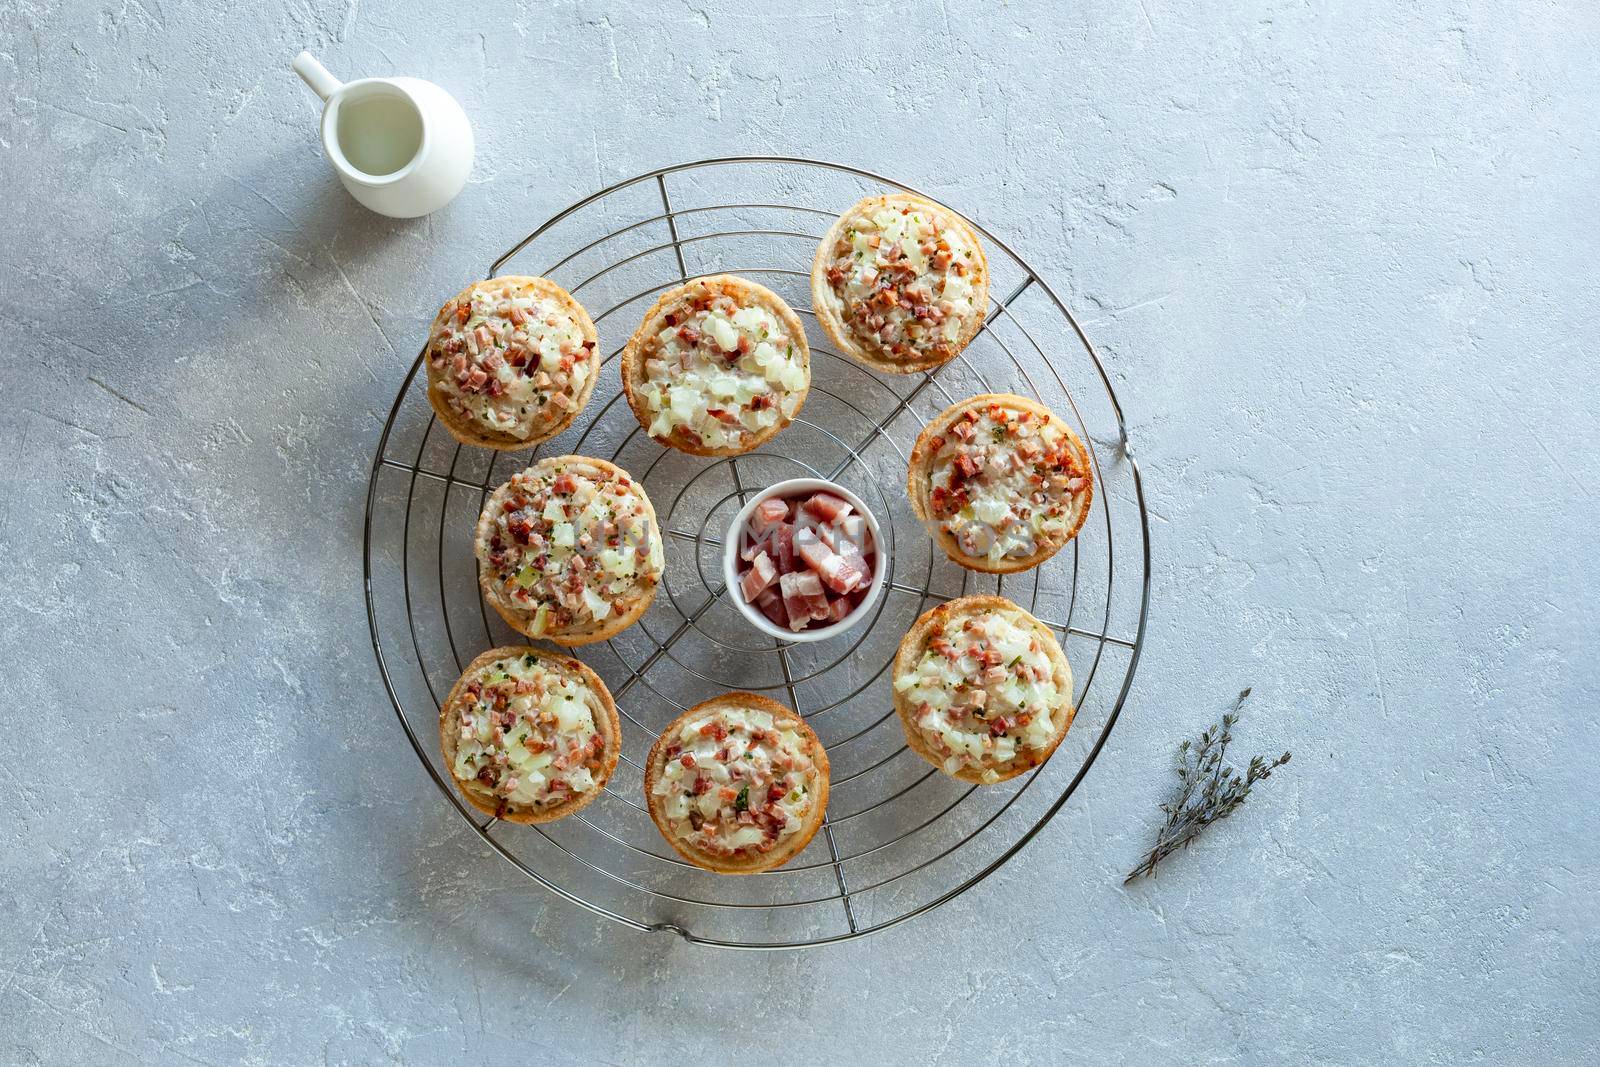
(743, 801)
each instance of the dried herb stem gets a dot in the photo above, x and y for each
(1210, 790)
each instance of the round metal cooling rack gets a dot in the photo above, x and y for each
(900, 839)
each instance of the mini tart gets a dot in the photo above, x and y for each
(983, 690)
(1000, 481)
(900, 283)
(529, 736)
(569, 550)
(511, 361)
(737, 784)
(718, 367)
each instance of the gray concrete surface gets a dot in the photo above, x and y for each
(1341, 260)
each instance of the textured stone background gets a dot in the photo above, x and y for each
(1341, 259)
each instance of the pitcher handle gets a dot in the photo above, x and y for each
(316, 75)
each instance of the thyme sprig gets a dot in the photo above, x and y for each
(1210, 791)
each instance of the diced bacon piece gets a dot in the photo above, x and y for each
(838, 609)
(476, 379)
(782, 548)
(794, 510)
(841, 575)
(853, 571)
(830, 534)
(803, 598)
(770, 603)
(811, 550)
(768, 513)
(854, 527)
(827, 507)
(828, 565)
(762, 573)
(966, 464)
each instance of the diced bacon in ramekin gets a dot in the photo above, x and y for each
(767, 514)
(770, 603)
(763, 572)
(827, 507)
(803, 598)
(794, 538)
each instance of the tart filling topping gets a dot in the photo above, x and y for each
(571, 545)
(717, 372)
(510, 361)
(528, 734)
(904, 279)
(983, 691)
(1003, 480)
(736, 782)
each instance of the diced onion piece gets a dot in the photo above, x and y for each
(598, 607)
(722, 332)
(990, 509)
(618, 564)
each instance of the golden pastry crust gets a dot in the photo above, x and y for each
(603, 708)
(937, 434)
(550, 416)
(624, 612)
(936, 621)
(678, 303)
(755, 863)
(845, 320)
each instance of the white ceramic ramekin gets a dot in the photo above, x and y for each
(730, 560)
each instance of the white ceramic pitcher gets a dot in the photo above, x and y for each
(402, 146)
